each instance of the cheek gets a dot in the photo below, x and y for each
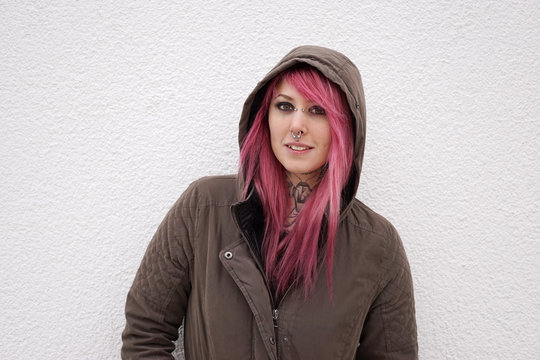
(276, 129)
(273, 132)
(325, 138)
(274, 136)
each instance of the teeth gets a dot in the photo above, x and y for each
(294, 147)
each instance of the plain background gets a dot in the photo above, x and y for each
(109, 110)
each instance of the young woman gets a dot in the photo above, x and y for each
(280, 261)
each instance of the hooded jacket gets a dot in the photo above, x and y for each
(201, 268)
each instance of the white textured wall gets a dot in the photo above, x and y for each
(108, 111)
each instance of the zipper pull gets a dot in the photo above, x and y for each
(275, 314)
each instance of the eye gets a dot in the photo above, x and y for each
(285, 106)
(317, 110)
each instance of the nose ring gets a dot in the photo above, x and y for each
(297, 136)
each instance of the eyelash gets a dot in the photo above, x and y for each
(286, 106)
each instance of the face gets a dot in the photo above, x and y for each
(305, 156)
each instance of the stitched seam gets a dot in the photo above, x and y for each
(253, 338)
(347, 334)
(359, 226)
(201, 204)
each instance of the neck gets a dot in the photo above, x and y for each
(300, 188)
(311, 178)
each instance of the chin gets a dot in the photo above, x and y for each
(301, 170)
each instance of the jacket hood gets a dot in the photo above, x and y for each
(340, 70)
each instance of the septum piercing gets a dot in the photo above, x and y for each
(296, 137)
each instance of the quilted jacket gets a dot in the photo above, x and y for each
(200, 268)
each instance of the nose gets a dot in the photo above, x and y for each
(299, 122)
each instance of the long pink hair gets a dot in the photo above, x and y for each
(294, 257)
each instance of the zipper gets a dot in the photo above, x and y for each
(275, 317)
(275, 314)
(275, 311)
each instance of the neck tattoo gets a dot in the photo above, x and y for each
(299, 194)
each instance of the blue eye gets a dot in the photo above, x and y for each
(317, 110)
(285, 106)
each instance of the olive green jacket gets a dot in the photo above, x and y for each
(200, 267)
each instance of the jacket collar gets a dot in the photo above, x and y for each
(249, 217)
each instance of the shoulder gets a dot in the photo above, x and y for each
(210, 190)
(376, 230)
(361, 216)
(204, 193)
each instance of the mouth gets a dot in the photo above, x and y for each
(298, 147)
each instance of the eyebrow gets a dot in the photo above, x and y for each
(285, 96)
(292, 99)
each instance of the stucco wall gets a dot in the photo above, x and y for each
(108, 111)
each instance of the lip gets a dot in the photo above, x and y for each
(297, 144)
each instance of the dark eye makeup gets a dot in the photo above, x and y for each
(317, 110)
(287, 106)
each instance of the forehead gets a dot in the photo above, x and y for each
(286, 90)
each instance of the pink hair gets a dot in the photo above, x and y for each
(295, 257)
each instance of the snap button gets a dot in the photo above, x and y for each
(272, 341)
(286, 339)
(228, 255)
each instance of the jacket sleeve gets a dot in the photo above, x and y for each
(389, 330)
(157, 300)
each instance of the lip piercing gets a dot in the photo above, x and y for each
(297, 136)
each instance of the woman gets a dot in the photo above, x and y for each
(280, 261)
